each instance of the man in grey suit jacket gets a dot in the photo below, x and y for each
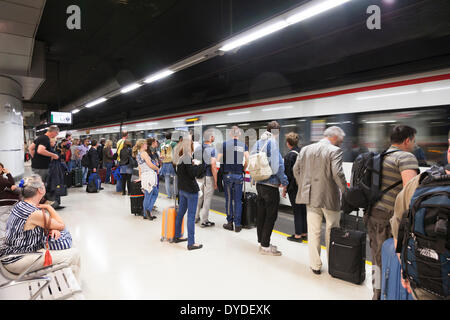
(320, 178)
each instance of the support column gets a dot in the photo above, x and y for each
(11, 126)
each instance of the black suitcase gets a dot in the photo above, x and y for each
(347, 256)
(68, 179)
(136, 198)
(77, 177)
(248, 220)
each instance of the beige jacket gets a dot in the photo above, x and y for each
(319, 175)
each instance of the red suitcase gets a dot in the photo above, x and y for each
(102, 174)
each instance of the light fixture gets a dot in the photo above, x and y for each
(313, 10)
(75, 111)
(95, 102)
(158, 76)
(381, 121)
(222, 126)
(289, 125)
(244, 124)
(245, 39)
(131, 87)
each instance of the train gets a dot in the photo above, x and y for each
(365, 111)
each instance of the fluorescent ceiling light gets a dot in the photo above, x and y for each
(289, 125)
(131, 87)
(158, 76)
(276, 108)
(222, 126)
(314, 10)
(95, 102)
(245, 39)
(244, 124)
(238, 113)
(75, 111)
(435, 89)
(387, 95)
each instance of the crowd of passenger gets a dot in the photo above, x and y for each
(312, 176)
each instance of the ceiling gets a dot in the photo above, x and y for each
(121, 41)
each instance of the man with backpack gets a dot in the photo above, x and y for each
(208, 181)
(425, 268)
(268, 198)
(167, 170)
(398, 167)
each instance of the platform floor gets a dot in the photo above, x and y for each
(122, 257)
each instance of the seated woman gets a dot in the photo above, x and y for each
(187, 170)
(25, 231)
(8, 189)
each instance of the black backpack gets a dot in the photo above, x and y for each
(424, 237)
(85, 161)
(365, 183)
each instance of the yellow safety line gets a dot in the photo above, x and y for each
(276, 231)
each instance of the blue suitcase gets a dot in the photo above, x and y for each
(391, 286)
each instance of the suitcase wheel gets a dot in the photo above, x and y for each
(170, 240)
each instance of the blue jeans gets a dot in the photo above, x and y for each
(233, 197)
(85, 172)
(150, 199)
(108, 172)
(188, 201)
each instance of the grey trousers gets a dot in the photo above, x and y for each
(206, 185)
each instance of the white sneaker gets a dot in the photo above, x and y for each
(270, 251)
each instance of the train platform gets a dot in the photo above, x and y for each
(122, 257)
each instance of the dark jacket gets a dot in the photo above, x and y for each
(100, 148)
(55, 178)
(289, 161)
(107, 155)
(125, 154)
(186, 174)
(93, 159)
(6, 183)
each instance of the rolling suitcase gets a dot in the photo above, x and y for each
(68, 179)
(77, 177)
(248, 220)
(391, 285)
(102, 174)
(136, 198)
(347, 256)
(168, 223)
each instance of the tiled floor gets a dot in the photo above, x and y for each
(123, 258)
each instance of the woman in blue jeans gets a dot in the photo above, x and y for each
(148, 175)
(187, 170)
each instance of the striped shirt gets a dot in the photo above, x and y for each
(393, 165)
(17, 240)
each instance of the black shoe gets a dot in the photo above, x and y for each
(293, 238)
(238, 228)
(207, 224)
(145, 217)
(176, 240)
(152, 218)
(59, 207)
(228, 226)
(315, 271)
(101, 188)
(193, 247)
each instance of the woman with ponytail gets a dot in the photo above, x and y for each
(29, 226)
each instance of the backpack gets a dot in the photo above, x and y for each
(423, 238)
(203, 165)
(365, 182)
(93, 183)
(167, 152)
(258, 164)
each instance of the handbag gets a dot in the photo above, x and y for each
(47, 257)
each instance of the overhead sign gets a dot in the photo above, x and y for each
(61, 117)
